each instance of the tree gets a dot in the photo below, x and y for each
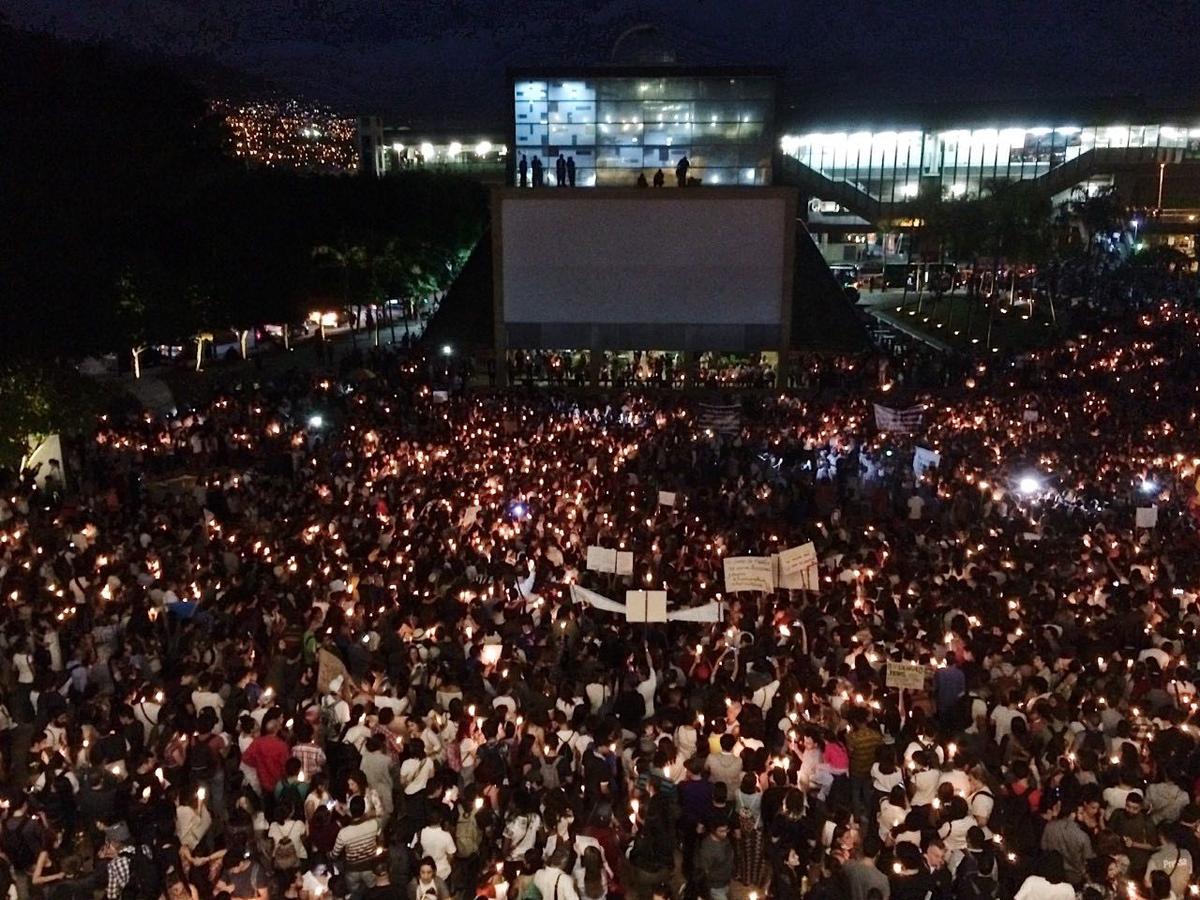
(350, 262)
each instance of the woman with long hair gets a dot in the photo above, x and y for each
(591, 881)
(748, 846)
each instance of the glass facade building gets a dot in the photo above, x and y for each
(617, 126)
(895, 166)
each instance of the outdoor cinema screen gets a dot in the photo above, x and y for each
(645, 258)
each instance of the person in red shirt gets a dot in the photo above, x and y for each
(268, 755)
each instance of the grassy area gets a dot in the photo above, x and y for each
(967, 324)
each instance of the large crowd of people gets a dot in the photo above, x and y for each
(318, 638)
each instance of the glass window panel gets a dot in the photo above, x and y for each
(714, 156)
(668, 134)
(572, 111)
(623, 157)
(617, 112)
(753, 131)
(572, 134)
(532, 112)
(571, 90)
(529, 90)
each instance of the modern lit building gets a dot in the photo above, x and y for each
(386, 148)
(588, 269)
(617, 123)
(858, 176)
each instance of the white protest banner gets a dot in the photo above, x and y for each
(709, 612)
(597, 601)
(901, 420)
(1146, 517)
(906, 675)
(1030, 415)
(749, 573)
(924, 458)
(666, 498)
(440, 396)
(798, 568)
(601, 559)
(624, 564)
(645, 606)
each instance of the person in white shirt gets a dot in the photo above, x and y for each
(649, 685)
(553, 882)
(416, 770)
(1002, 718)
(437, 844)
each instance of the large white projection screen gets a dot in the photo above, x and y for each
(646, 258)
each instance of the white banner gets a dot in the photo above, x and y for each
(749, 573)
(597, 601)
(901, 420)
(1146, 517)
(666, 498)
(709, 612)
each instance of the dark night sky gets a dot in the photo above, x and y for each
(446, 60)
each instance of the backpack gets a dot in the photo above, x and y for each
(285, 857)
(1012, 818)
(491, 767)
(466, 836)
(19, 844)
(145, 881)
(204, 759)
(290, 793)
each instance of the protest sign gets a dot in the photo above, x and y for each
(666, 498)
(899, 420)
(1030, 415)
(798, 568)
(749, 573)
(1146, 517)
(601, 559)
(646, 606)
(624, 562)
(906, 675)
(923, 459)
(596, 601)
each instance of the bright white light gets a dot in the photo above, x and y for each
(1039, 132)
(398, 147)
(1068, 130)
(519, 510)
(447, 350)
(908, 190)
(1029, 485)
(483, 148)
(957, 190)
(315, 421)
(455, 148)
(1149, 486)
(427, 150)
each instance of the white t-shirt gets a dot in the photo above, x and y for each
(437, 844)
(415, 774)
(915, 505)
(23, 663)
(1002, 719)
(294, 829)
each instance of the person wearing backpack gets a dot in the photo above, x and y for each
(287, 834)
(22, 839)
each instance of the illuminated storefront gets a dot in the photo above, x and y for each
(616, 125)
